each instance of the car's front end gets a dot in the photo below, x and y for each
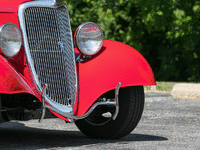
(41, 69)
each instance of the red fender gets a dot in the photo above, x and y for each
(12, 81)
(117, 62)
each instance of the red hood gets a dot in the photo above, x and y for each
(10, 5)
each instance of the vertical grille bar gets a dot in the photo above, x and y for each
(51, 48)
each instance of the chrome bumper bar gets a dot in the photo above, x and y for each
(69, 114)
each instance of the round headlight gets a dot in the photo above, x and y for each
(89, 38)
(10, 39)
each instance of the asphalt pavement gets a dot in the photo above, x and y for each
(167, 124)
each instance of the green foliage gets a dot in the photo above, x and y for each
(166, 32)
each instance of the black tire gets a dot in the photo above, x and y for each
(131, 105)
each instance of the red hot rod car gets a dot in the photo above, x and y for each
(98, 84)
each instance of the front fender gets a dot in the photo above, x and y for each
(11, 81)
(117, 62)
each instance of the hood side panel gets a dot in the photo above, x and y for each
(11, 5)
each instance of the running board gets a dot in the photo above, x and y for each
(69, 115)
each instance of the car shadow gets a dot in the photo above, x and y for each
(22, 137)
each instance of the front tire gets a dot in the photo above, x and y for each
(131, 105)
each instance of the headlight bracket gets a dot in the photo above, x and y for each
(81, 58)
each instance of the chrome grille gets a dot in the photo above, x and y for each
(51, 48)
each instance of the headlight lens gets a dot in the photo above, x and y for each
(89, 38)
(10, 39)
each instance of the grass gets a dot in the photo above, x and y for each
(161, 86)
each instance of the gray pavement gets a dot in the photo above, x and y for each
(167, 123)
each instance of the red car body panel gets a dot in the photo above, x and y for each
(11, 5)
(9, 18)
(116, 62)
(11, 81)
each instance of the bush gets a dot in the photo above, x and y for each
(166, 32)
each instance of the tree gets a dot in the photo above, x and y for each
(166, 32)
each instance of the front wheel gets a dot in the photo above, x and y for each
(131, 105)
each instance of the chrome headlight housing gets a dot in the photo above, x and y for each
(88, 38)
(10, 39)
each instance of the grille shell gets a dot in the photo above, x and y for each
(51, 51)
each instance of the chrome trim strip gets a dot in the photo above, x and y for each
(60, 109)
